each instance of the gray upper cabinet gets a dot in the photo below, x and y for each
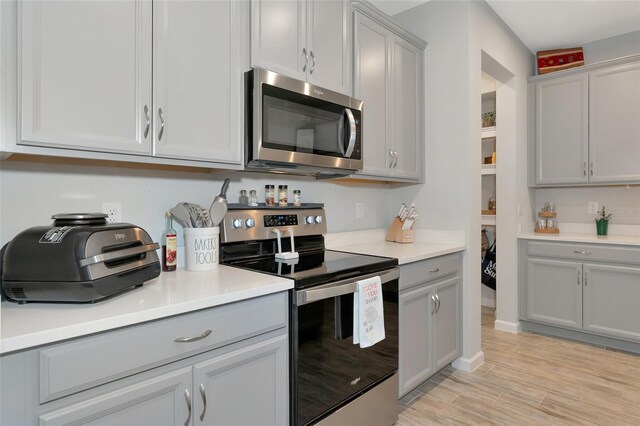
(305, 39)
(85, 75)
(561, 127)
(388, 78)
(614, 124)
(585, 124)
(162, 80)
(197, 113)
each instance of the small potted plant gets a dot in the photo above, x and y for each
(602, 221)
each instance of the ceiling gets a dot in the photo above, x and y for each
(552, 24)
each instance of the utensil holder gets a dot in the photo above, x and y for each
(396, 234)
(201, 248)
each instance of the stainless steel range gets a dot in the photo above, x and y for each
(332, 380)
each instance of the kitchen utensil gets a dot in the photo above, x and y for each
(403, 207)
(181, 215)
(195, 212)
(219, 205)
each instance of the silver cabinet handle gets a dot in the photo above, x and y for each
(581, 252)
(161, 115)
(204, 401)
(584, 168)
(193, 339)
(313, 63)
(434, 270)
(306, 59)
(391, 162)
(435, 304)
(438, 300)
(579, 279)
(395, 163)
(188, 398)
(146, 114)
(586, 279)
(591, 169)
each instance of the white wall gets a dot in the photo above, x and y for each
(458, 33)
(612, 48)
(31, 192)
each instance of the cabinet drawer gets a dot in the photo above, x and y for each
(87, 362)
(584, 252)
(428, 270)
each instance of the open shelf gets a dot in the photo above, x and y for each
(488, 132)
(488, 220)
(488, 169)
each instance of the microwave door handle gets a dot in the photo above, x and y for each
(352, 133)
(341, 135)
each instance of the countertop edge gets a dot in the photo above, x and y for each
(625, 240)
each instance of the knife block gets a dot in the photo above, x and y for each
(396, 234)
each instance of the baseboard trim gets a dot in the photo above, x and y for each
(469, 364)
(510, 327)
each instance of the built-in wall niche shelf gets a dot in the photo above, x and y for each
(488, 132)
(488, 220)
(488, 169)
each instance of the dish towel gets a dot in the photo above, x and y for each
(368, 316)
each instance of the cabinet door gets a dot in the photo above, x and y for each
(158, 401)
(561, 129)
(611, 295)
(329, 44)
(554, 292)
(85, 75)
(249, 386)
(416, 330)
(614, 124)
(278, 36)
(197, 79)
(371, 66)
(405, 117)
(447, 323)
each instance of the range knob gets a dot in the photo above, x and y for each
(310, 220)
(237, 223)
(250, 222)
(318, 219)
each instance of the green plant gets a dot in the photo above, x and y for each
(603, 215)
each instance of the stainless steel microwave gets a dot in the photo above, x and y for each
(296, 127)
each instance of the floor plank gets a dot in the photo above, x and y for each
(531, 379)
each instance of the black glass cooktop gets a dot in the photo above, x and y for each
(319, 267)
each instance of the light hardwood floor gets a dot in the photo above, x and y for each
(530, 379)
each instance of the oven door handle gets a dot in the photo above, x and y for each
(340, 288)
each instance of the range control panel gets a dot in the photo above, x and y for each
(255, 223)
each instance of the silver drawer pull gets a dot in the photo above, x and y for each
(193, 339)
(188, 398)
(203, 394)
(434, 270)
(581, 252)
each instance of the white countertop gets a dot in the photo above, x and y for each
(373, 243)
(173, 293)
(629, 240)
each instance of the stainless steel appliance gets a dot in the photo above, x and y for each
(332, 380)
(80, 258)
(296, 127)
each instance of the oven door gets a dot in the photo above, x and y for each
(328, 370)
(299, 124)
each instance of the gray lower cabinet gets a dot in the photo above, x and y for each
(236, 374)
(590, 288)
(430, 319)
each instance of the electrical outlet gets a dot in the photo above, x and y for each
(593, 207)
(359, 210)
(114, 210)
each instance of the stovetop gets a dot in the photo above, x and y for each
(319, 267)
